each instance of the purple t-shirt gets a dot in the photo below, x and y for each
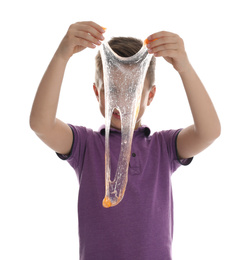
(141, 226)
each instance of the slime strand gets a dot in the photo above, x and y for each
(123, 84)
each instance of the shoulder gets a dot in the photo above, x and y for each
(166, 135)
(80, 129)
(168, 140)
(165, 140)
(82, 137)
(83, 132)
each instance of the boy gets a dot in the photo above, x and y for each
(141, 226)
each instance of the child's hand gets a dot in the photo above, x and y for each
(80, 36)
(169, 46)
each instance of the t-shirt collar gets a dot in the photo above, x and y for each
(142, 129)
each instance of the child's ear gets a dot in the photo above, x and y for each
(151, 95)
(96, 91)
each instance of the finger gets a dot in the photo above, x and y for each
(146, 41)
(162, 41)
(94, 25)
(91, 30)
(87, 36)
(169, 46)
(160, 35)
(84, 43)
(97, 27)
(166, 53)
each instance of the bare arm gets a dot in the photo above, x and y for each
(206, 128)
(56, 134)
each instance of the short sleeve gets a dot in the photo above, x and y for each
(67, 156)
(76, 155)
(184, 162)
(170, 137)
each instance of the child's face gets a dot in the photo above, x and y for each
(146, 99)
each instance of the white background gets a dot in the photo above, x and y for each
(38, 192)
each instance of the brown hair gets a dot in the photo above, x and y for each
(125, 47)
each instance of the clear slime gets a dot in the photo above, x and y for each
(123, 84)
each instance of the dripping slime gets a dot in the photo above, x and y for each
(123, 84)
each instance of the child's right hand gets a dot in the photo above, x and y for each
(78, 37)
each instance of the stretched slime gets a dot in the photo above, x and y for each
(123, 84)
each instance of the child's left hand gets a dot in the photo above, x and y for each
(171, 47)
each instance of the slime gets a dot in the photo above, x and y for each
(123, 84)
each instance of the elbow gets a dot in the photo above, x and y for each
(214, 133)
(210, 134)
(217, 130)
(38, 125)
(33, 124)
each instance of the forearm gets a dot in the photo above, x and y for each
(206, 121)
(43, 113)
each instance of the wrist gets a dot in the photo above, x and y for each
(60, 57)
(186, 70)
(61, 54)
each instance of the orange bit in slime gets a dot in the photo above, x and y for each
(106, 203)
(137, 111)
(147, 41)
